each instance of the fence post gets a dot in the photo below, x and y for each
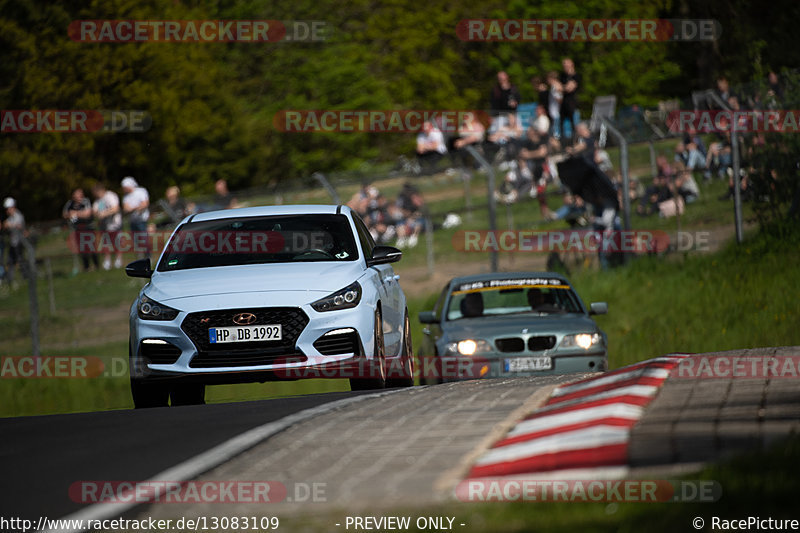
(320, 177)
(466, 177)
(491, 199)
(429, 244)
(50, 292)
(30, 251)
(737, 187)
(623, 164)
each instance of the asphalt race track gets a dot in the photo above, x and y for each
(49, 453)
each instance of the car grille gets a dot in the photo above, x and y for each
(291, 319)
(510, 344)
(337, 344)
(160, 354)
(538, 344)
(236, 358)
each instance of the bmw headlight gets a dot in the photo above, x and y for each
(467, 347)
(343, 299)
(582, 340)
(152, 310)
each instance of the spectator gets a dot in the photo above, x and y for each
(573, 211)
(570, 82)
(107, 210)
(223, 199)
(690, 156)
(470, 132)
(78, 211)
(15, 226)
(723, 89)
(136, 204)
(175, 206)
(430, 146)
(409, 219)
(775, 91)
(656, 193)
(504, 98)
(543, 94)
(533, 169)
(503, 142)
(719, 158)
(584, 143)
(554, 103)
(686, 185)
(542, 122)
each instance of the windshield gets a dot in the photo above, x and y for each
(543, 296)
(259, 240)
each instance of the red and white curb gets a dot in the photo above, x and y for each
(583, 429)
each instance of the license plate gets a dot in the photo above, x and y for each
(525, 364)
(270, 332)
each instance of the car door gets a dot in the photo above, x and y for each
(388, 292)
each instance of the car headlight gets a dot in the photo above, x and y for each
(343, 299)
(582, 340)
(152, 310)
(467, 347)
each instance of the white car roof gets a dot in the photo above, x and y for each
(268, 210)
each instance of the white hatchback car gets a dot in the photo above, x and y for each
(267, 293)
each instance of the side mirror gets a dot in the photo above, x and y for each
(598, 308)
(139, 269)
(427, 317)
(384, 254)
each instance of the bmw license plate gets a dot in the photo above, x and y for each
(269, 332)
(526, 364)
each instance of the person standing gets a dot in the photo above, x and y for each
(570, 83)
(15, 226)
(503, 100)
(136, 205)
(78, 211)
(109, 217)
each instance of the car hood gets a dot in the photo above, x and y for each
(512, 325)
(323, 277)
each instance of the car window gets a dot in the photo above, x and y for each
(440, 301)
(367, 242)
(259, 240)
(526, 298)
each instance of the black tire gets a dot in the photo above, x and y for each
(407, 379)
(188, 394)
(378, 362)
(147, 394)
